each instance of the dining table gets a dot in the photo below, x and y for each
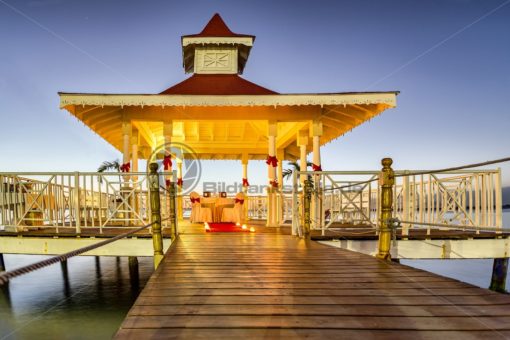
(216, 204)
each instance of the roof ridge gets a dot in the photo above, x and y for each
(216, 27)
(215, 24)
(217, 84)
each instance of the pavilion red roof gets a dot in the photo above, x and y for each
(216, 27)
(217, 84)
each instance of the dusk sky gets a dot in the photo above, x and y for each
(449, 58)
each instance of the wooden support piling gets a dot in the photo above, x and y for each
(65, 278)
(2, 263)
(134, 276)
(499, 274)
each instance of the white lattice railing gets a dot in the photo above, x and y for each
(78, 200)
(470, 198)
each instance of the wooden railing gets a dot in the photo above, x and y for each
(75, 199)
(462, 197)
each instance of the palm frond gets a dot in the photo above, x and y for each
(294, 166)
(109, 166)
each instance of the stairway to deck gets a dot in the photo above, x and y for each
(270, 285)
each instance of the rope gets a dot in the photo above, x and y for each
(427, 172)
(6, 276)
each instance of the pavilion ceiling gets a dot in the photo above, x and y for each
(220, 128)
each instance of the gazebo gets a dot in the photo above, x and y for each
(222, 116)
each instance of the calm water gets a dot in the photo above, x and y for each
(97, 293)
(476, 272)
(90, 304)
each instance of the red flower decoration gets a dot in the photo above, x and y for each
(167, 162)
(239, 200)
(245, 182)
(125, 167)
(272, 160)
(316, 167)
(179, 182)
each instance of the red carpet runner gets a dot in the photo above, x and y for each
(225, 227)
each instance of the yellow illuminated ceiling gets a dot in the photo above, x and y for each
(225, 128)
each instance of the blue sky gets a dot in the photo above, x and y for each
(452, 108)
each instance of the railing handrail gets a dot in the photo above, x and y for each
(85, 173)
(397, 172)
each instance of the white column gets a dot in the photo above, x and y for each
(316, 150)
(246, 204)
(244, 163)
(167, 134)
(134, 151)
(302, 142)
(279, 199)
(126, 150)
(180, 214)
(280, 156)
(316, 132)
(271, 174)
(245, 171)
(126, 136)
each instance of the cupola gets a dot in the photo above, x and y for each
(216, 50)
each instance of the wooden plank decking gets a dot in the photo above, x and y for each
(270, 285)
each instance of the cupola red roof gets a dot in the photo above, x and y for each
(216, 27)
(217, 84)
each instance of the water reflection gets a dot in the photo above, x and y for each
(87, 297)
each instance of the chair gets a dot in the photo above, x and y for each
(195, 207)
(206, 209)
(236, 213)
(221, 203)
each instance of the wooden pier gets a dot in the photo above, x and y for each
(268, 285)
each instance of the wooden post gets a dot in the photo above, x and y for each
(77, 216)
(387, 180)
(2, 263)
(307, 197)
(406, 203)
(157, 238)
(499, 273)
(134, 276)
(65, 277)
(499, 200)
(180, 214)
(172, 214)
(97, 260)
(295, 206)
